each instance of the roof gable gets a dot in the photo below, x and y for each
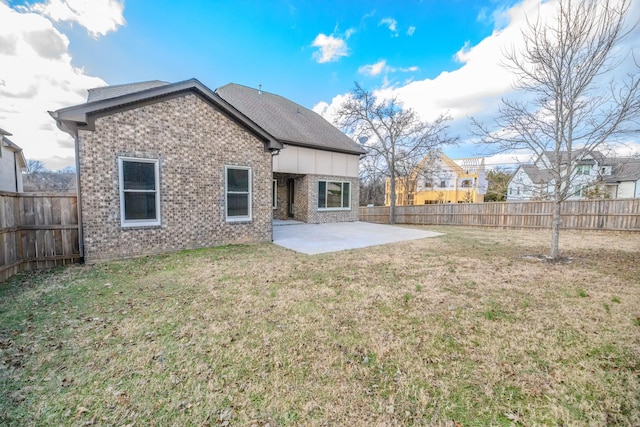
(83, 116)
(288, 121)
(13, 147)
(537, 176)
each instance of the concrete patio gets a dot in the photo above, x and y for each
(312, 239)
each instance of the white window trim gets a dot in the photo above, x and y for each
(274, 194)
(139, 222)
(326, 195)
(226, 192)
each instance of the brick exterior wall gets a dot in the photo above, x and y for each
(193, 142)
(306, 199)
(321, 216)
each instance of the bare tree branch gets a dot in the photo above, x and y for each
(568, 112)
(396, 135)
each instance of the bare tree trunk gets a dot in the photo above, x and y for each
(392, 199)
(554, 252)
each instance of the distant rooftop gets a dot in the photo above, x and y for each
(470, 164)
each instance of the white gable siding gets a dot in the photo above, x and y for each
(9, 171)
(628, 189)
(520, 187)
(307, 161)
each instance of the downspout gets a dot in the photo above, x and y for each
(15, 169)
(78, 196)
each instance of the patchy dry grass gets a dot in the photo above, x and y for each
(462, 328)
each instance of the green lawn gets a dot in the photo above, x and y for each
(466, 328)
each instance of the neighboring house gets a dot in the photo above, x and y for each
(12, 164)
(315, 174)
(623, 181)
(163, 167)
(591, 172)
(441, 180)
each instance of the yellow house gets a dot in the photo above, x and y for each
(441, 180)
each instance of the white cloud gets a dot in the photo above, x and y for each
(99, 17)
(330, 48)
(373, 69)
(328, 110)
(37, 75)
(349, 33)
(392, 24)
(411, 30)
(478, 84)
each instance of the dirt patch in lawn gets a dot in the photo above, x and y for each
(458, 329)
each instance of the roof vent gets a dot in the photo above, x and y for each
(259, 89)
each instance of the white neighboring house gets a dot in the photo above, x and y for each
(618, 178)
(624, 180)
(12, 164)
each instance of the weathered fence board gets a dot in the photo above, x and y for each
(606, 214)
(37, 230)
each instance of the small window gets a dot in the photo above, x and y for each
(139, 192)
(274, 194)
(443, 184)
(583, 170)
(238, 193)
(334, 195)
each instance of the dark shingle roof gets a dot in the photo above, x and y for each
(289, 122)
(580, 155)
(106, 92)
(625, 170)
(537, 176)
(83, 116)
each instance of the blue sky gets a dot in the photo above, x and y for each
(436, 56)
(270, 43)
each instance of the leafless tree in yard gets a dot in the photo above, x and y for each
(570, 102)
(372, 174)
(396, 135)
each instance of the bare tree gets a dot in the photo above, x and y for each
(568, 113)
(39, 178)
(35, 166)
(372, 173)
(396, 135)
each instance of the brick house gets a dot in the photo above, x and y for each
(164, 167)
(315, 174)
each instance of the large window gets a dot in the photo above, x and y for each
(238, 193)
(139, 192)
(334, 195)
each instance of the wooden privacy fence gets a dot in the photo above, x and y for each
(37, 230)
(605, 214)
